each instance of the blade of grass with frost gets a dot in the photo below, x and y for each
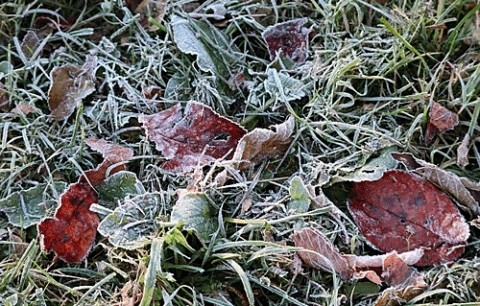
(154, 268)
(244, 278)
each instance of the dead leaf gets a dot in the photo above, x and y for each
(290, 38)
(440, 120)
(462, 189)
(262, 144)
(462, 151)
(29, 44)
(24, 109)
(320, 253)
(69, 85)
(155, 9)
(402, 211)
(195, 137)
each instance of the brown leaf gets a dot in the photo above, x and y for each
(155, 9)
(30, 43)
(262, 144)
(290, 38)
(462, 151)
(402, 211)
(24, 109)
(197, 136)
(440, 120)
(69, 85)
(320, 253)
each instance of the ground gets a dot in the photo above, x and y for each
(361, 80)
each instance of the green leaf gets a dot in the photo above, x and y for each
(118, 186)
(131, 225)
(194, 212)
(300, 196)
(28, 207)
(283, 86)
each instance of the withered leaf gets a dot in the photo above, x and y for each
(155, 9)
(462, 151)
(440, 120)
(191, 138)
(402, 211)
(290, 38)
(320, 253)
(262, 144)
(71, 233)
(29, 44)
(69, 85)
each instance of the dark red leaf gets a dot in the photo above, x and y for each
(71, 233)
(440, 120)
(197, 136)
(402, 212)
(289, 37)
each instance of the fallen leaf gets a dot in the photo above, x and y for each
(440, 120)
(284, 87)
(193, 210)
(462, 151)
(262, 144)
(69, 85)
(112, 154)
(155, 9)
(402, 211)
(117, 187)
(71, 232)
(288, 38)
(300, 196)
(462, 189)
(195, 137)
(320, 253)
(24, 109)
(29, 44)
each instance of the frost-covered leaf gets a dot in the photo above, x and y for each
(262, 144)
(194, 211)
(69, 85)
(300, 196)
(440, 120)
(71, 232)
(289, 39)
(462, 151)
(178, 87)
(283, 86)
(155, 9)
(132, 224)
(118, 186)
(28, 207)
(402, 211)
(191, 138)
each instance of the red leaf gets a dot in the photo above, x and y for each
(402, 212)
(290, 37)
(196, 137)
(71, 233)
(440, 120)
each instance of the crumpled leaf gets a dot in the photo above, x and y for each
(27, 207)
(462, 189)
(193, 210)
(290, 38)
(155, 9)
(320, 253)
(195, 137)
(440, 120)
(300, 196)
(116, 187)
(71, 233)
(283, 86)
(402, 211)
(69, 85)
(132, 224)
(262, 144)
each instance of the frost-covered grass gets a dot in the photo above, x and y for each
(371, 73)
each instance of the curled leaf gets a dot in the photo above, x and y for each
(262, 144)
(462, 151)
(402, 212)
(440, 120)
(195, 137)
(69, 85)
